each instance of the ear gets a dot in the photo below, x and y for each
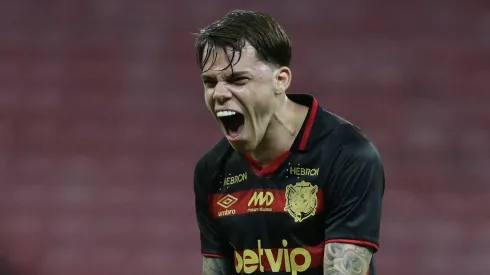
(282, 78)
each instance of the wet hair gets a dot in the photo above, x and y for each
(234, 30)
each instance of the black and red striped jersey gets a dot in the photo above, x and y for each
(276, 219)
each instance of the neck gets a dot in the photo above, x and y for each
(281, 132)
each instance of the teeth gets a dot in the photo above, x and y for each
(225, 113)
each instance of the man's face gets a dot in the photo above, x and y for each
(242, 99)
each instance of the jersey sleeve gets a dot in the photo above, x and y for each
(354, 197)
(212, 245)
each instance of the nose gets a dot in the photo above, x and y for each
(221, 93)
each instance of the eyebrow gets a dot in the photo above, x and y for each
(235, 74)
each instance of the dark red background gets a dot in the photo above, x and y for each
(102, 119)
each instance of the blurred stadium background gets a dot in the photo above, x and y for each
(102, 119)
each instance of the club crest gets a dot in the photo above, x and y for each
(301, 200)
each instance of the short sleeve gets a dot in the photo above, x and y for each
(212, 245)
(354, 197)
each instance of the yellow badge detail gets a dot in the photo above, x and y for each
(301, 200)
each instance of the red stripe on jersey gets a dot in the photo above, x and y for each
(289, 259)
(270, 168)
(309, 124)
(253, 201)
(267, 169)
(212, 255)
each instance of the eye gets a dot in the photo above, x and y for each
(210, 83)
(240, 81)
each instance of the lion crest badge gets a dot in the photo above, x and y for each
(301, 200)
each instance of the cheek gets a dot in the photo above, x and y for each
(263, 103)
(264, 97)
(207, 99)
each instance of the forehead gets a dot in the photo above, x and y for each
(247, 61)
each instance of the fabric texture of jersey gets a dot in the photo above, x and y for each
(276, 219)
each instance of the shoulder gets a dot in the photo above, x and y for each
(211, 159)
(208, 167)
(346, 144)
(356, 144)
(347, 138)
(356, 167)
(355, 149)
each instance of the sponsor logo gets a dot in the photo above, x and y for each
(226, 202)
(298, 200)
(235, 179)
(260, 201)
(292, 260)
(300, 171)
(301, 200)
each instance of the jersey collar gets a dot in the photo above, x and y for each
(309, 130)
(305, 140)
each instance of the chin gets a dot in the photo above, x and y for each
(242, 146)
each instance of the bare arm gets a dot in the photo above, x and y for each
(215, 266)
(346, 259)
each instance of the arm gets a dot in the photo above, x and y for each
(215, 266)
(353, 220)
(215, 249)
(346, 259)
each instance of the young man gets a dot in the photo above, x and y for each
(292, 188)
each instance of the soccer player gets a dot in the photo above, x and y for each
(291, 188)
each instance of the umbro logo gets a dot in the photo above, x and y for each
(227, 201)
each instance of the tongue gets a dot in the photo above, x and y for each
(233, 124)
(235, 132)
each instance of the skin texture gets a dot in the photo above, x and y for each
(214, 266)
(346, 259)
(257, 90)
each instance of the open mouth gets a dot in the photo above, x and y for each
(232, 121)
